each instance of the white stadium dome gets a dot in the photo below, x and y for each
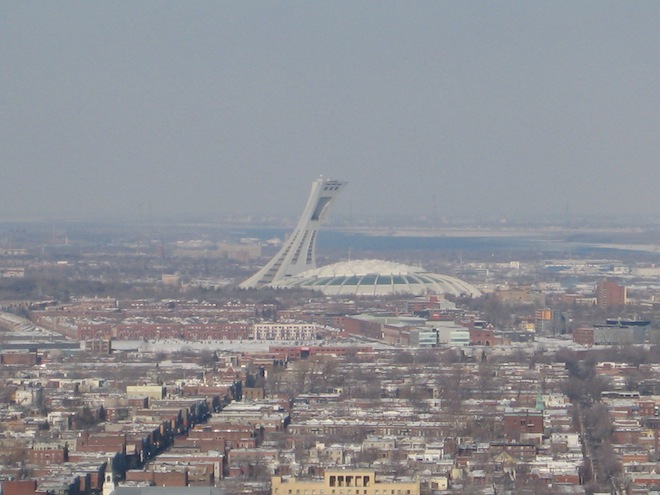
(376, 278)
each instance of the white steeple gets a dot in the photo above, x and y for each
(109, 484)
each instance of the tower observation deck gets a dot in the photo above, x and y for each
(298, 253)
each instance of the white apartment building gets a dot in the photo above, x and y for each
(285, 331)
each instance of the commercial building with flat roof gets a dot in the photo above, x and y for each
(341, 482)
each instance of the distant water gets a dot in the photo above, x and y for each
(342, 240)
(334, 240)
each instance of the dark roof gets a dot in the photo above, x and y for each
(167, 490)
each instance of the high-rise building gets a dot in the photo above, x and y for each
(298, 253)
(548, 322)
(610, 294)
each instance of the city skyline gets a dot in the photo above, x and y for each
(441, 110)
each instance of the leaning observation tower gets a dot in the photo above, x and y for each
(298, 253)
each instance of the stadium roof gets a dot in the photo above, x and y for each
(377, 278)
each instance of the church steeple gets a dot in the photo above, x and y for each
(540, 405)
(109, 484)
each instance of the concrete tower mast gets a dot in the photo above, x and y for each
(298, 253)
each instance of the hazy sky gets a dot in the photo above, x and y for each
(124, 108)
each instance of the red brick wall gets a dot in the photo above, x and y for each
(363, 328)
(584, 336)
(171, 478)
(46, 457)
(22, 358)
(23, 487)
(516, 424)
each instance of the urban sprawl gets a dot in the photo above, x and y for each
(132, 362)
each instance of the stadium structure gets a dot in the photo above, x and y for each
(294, 266)
(298, 254)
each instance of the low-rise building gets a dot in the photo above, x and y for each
(338, 482)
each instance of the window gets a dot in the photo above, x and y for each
(321, 205)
